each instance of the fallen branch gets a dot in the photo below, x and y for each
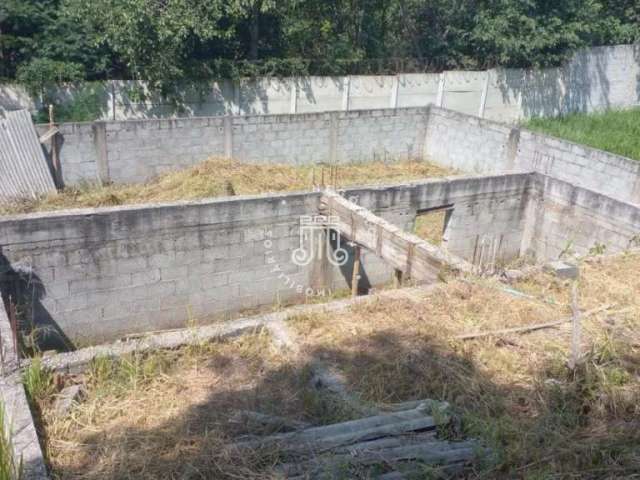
(273, 421)
(427, 404)
(528, 328)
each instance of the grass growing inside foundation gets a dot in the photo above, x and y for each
(221, 177)
(515, 392)
(167, 415)
(430, 226)
(10, 468)
(616, 131)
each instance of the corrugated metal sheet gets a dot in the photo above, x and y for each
(24, 171)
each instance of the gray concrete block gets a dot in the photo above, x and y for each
(562, 269)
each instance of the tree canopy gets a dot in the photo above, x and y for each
(165, 41)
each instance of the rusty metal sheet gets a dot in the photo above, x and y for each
(24, 171)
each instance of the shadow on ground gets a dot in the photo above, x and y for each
(535, 431)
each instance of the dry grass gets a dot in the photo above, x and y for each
(166, 416)
(220, 177)
(430, 226)
(513, 391)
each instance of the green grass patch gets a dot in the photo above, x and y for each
(616, 131)
(9, 468)
(37, 380)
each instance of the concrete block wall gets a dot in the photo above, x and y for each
(19, 427)
(293, 139)
(81, 149)
(99, 273)
(570, 219)
(96, 274)
(593, 79)
(137, 150)
(611, 174)
(477, 145)
(467, 142)
(489, 209)
(388, 134)
(141, 149)
(133, 151)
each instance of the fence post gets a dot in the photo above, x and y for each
(346, 92)
(236, 97)
(228, 136)
(395, 86)
(333, 138)
(294, 95)
(440, 98)
(102, 155)
(112, 100)
(483, 95)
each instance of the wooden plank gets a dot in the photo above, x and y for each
(355, 276)
(430, 452)
(45, 137)
(346, 433)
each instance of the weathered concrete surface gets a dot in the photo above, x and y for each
(77, 360)
(594, 78)
(473, 144)
(485, 210)
(137, 150)
(18, 422)
(571, 220)
(96, 274)
(408, 253)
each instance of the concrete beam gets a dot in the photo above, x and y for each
(415, 257)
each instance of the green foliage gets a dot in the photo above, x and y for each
(168, 42)
(87, 104)
(37, 380)
(129, 372)
(8, 468)
(155, 41)
(616, 131)
(41, 73)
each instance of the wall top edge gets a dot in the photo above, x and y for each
(149, 207)
(338, 113)
(220, 201)
(633, 164)
(550, 179)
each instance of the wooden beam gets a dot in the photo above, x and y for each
(355, 276)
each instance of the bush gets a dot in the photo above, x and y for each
(41, 73)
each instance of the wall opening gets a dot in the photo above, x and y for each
(432, 224)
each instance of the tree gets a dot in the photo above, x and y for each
(169, 41)
(156, 40)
